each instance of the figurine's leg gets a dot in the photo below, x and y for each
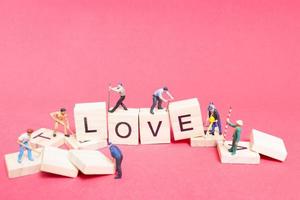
(234, 147)
(117, 105)
(212, 131)
(118, 168)
(230, 150)
(55, 129)
(66, 130)
(21, 152)
(122, 104)
(219, 127)
(154, 99)
(29, 154)
(159, 104)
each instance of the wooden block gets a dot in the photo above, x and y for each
(242, 156)
(56, 161)
(186, 119)
(268, 145)
(123, 126)
(26, 167)
(90, 121)
(206, 140)
(44, 137)
(92, 144)
(91, 162)
(154, 129)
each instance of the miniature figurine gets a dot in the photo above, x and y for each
(213, 119)
(158, 98)
(23, 141)
(61, 118)
(121, 90)
(236, 136)
(117, 155)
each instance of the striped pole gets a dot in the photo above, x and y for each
(108, 97)
(228, 117)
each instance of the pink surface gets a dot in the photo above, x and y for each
(242, 53)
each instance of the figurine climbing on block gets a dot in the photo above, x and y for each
(236, 135)
(23, 141)
(121, 90)
(118, 156)
(61, 118)
(213, 119)
(158, 98)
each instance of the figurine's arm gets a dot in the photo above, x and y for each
(169, 94)
(55, 119)
(115, 89)
(162, 98)
(230, 124)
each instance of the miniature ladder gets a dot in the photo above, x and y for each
(226, 127)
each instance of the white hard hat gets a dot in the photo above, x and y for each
(239, 122)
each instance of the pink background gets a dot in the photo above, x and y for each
(245, 54)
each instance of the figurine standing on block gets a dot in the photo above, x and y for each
(121, 90)
(118, 156)
(236, 135)
(214, 119)
(158, 98)
(61, 118)
(23, 141)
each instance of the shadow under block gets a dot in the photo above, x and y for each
(90, 120)
(123, 126)
(26, 167)
(56, 161)
(206, 140)
(92, 144)
(91, 162)
(268, 145)
(154, 129)
(186, 119)
(44, 137)
(243, 156)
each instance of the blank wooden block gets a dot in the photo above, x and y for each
(123, 126)
(27, 167)
(91, 162)
(268, 145)
(56, 161)
(44, 137)
(206, 140)
(90, 121)
(244, 156)
(154, 129)
(92, 144)
(186, 119)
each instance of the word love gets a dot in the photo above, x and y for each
(134, 125)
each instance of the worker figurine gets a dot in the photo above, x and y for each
(158, 98)
(236, 135)
(61, 118)
(117, 155)
(23, 141)
(121, 90)
(213, 119)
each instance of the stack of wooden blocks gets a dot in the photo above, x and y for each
(132, 127)
(49, 157)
